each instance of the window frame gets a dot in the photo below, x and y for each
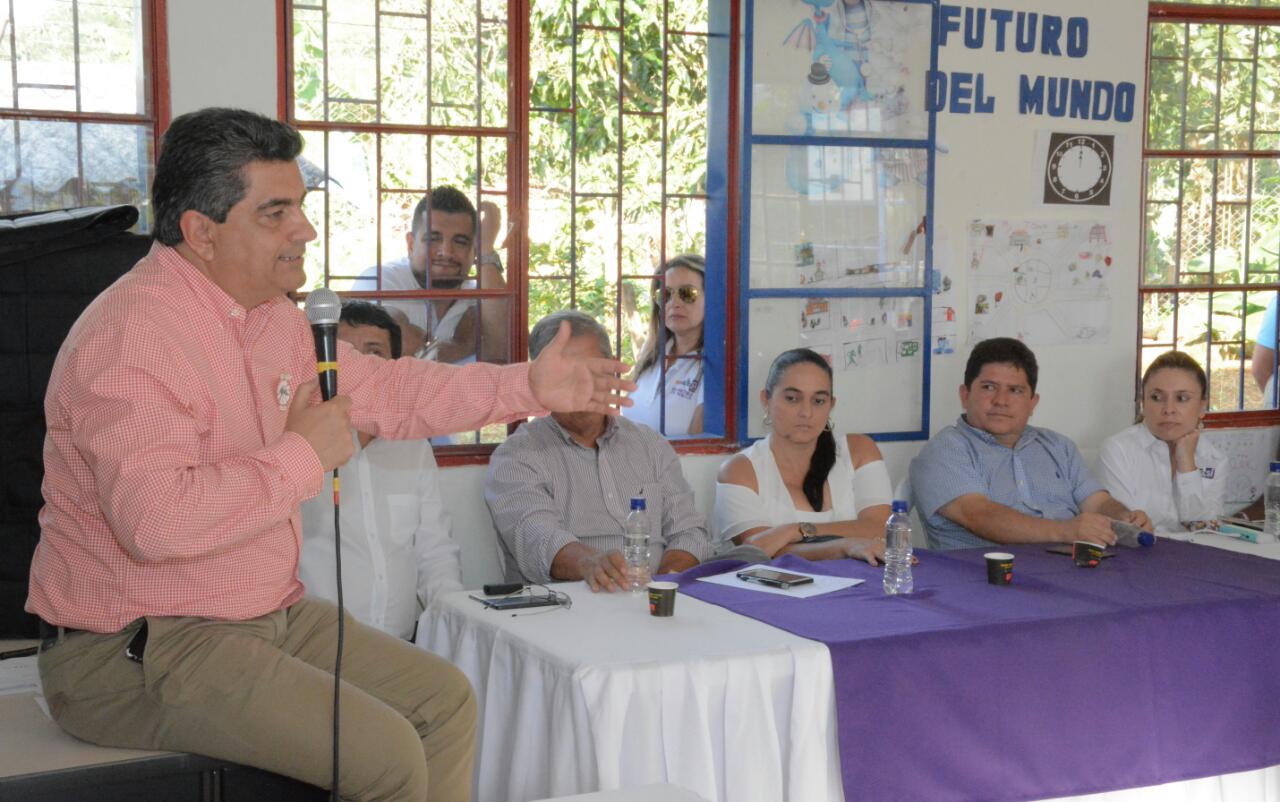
(155, 65)
(925, 291)
(1173, 12)
(724, 104)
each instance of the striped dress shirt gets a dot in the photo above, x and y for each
(546, 490)
(171, 487)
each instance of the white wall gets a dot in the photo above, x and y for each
(1086, 392)
(224, 53)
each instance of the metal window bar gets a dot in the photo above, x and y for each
(618, 168)
(328, 125)
(573, 159)
(1222, 18)
(16, 114)
(924, 292)
(659, 310)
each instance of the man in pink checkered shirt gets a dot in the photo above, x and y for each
(184, 429)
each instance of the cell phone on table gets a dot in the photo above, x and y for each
(774, 578)
(518, 602)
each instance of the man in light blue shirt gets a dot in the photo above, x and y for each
(993, 479)
(1264, 355)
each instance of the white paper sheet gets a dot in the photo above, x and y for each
(19, 675)
(821, 584)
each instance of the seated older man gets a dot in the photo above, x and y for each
(991, 478)
(559, 488)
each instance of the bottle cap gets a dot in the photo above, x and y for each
(1275, 466)
(637, 503)
(1146, 539)
(900, 506)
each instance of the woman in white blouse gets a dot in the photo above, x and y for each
(803, 489)
(681, 311)
(1161, 464)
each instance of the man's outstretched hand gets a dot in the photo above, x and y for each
(568, 384)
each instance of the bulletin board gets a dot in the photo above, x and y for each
(837, 253)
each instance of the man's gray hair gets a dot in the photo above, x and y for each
(580, 325)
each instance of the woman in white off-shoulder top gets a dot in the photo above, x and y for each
(803, 490)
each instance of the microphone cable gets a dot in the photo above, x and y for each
(337, 660)
(324, 313)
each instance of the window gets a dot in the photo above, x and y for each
(839, 151)
(597, 173)
(1211, 251)
(79, 110)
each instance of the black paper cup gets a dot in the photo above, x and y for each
(1086, 554)
(662, 599)
(999, 567)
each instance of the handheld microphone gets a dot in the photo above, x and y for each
(1129, 535)
(324, 308)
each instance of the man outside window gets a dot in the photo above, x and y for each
(442, 246)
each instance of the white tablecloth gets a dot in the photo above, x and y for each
(605, 696)
(1269, 550)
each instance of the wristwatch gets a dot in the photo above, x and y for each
(809, 534)
(491, 258)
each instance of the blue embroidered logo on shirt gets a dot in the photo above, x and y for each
(685, 388)
(1206, 472)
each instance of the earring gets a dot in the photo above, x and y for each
(768, 421)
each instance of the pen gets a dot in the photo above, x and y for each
(27, 652)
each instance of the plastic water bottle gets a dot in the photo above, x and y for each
(1130, 535)
(1272, 526)
(635, 545)
(897, 551)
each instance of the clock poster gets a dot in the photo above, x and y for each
(1078, 169)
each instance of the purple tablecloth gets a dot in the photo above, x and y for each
(1162, 664)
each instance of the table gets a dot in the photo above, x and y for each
(602, 696)
(1159, 665)
(1271, 551)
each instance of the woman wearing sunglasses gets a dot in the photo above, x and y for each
(679, 303)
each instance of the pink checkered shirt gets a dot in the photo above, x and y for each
(171, 487)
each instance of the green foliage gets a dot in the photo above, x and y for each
(597, 100)
(1212, 221)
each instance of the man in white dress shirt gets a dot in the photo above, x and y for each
(397, 548)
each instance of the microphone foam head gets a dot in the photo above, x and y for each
(323, 307)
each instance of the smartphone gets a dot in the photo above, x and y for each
(774, 578)
(518, 602)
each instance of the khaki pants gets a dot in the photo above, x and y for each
(260, 693)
